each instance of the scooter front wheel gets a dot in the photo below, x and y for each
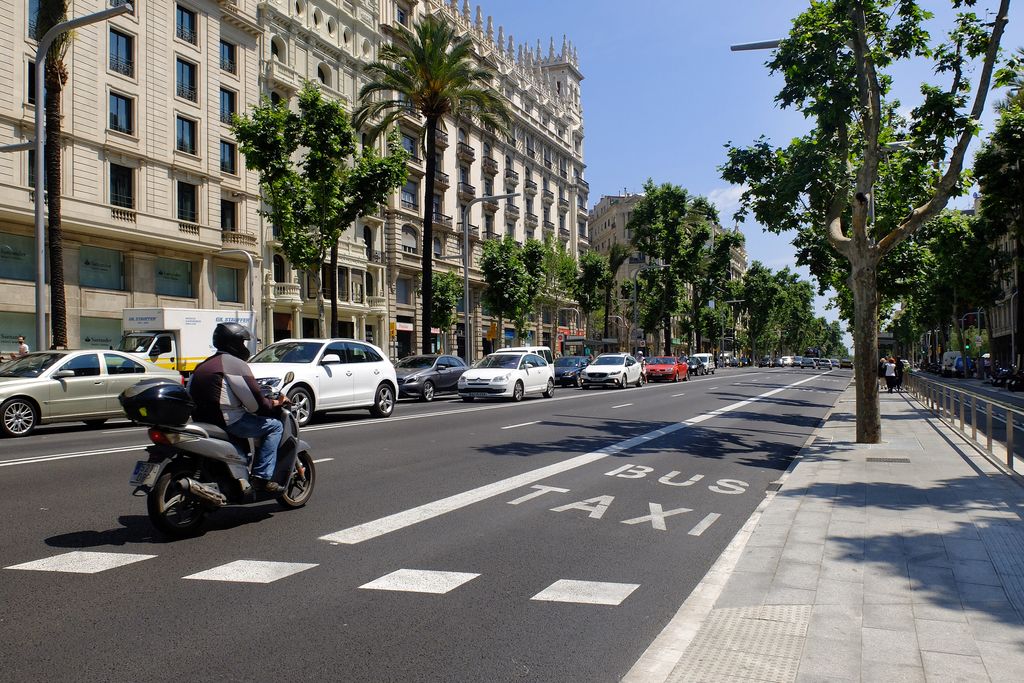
(171, 509)
(300, 485)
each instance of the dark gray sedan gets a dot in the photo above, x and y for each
(423, 377)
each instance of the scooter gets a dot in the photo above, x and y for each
(1000, 374)
(195, 468)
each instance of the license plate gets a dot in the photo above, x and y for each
(144, 473)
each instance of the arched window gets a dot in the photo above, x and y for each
(279, 272)
(323, 75)
(462, 134)
(368, 241)
(277, 49)
(487, 149)
(409, 240)
(370, 291)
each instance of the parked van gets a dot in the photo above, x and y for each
(949, 362)
(542, 351)
(708, 360)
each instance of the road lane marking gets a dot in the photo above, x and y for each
(678, 395)
(521, 424)
(323, 460)
(65, 456)
(712, 388)
(82, 562)
(703, 525)
(586, 592)
(622, 405)
(251, 571)
(400, 520)
(420, 581)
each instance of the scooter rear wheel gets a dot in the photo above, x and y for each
(171, 509)
(300, 485)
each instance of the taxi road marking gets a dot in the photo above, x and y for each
(623, 405)
(405, 518)
(521, 424)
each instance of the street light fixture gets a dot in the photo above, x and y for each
(252, 270)
(468, 355)
(40, 132)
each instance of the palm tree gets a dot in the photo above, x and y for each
(51, 13)
(430, 71)
(1015, 88)
(617, 255)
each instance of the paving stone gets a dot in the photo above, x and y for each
(889, 617)
(759, 560)
(797, 575)
(936, 612)
(997, 626)
(839, 592)
(802, 552)
(943, 636)
(781, 595)
(942, 666)
(891, 673)
(892, 647)
(1003, 663)
(836, 622)
(827, 658)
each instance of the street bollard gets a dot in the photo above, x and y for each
(1009, 438)
(974, 418)
(988, 436)
(961, 413)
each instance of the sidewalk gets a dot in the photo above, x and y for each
(901, 561)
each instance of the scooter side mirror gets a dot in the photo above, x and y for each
(289, 378)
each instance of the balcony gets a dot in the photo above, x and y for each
(377, 303)
(287, 293)
(125, 67)
(442, 139)
(531, 153)
(564, 173)
(126, 215)
(511, 178)
(581, 210)
(490, 165)
(582, 237)
(530, 187)
(466, 190)
(442, 220)
(409, 205)
(512, 210)
(474, 231)
(547, 164)
(549, 226)
(187, 92)
(240, 240)
(563, 204)
(583, 185)
(226, 116)
(465, 152)
(549, 197)
(187, 34)
(442, 180)
(531, 220)
(490, 205)
(228, 65)
(564, 233)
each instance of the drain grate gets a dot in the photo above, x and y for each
(905, 461)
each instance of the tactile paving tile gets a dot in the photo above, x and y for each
(747, 643)
(1005, 545)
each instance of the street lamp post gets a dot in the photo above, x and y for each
(468, 356)
(38, 145)
(252, 270)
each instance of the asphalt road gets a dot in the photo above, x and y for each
(550, 540)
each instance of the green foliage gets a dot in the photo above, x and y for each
(313, 179)
(447, 294)
(508, 281)
(998, 167)
(590, 282)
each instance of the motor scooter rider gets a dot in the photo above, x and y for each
(226, 394)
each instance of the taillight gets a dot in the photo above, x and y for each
(163, 438)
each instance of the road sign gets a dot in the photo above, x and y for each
(641, 343)
(977, 340)
(571, 338)
(560, 338)
(610, 340)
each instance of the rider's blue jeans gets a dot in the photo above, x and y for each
(269, 430)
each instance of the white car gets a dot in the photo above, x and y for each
(613, 370)
(330, 374)
(506, 374)
(786, 362)
(708, 360)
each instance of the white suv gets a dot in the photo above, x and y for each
(330, 374)
(508, 374)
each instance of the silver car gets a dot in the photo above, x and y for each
(68, 386)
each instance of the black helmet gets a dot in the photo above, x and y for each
(232, 338)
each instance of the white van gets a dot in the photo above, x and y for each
(542, 351)
(949, 359)
(786, 362)
(708, 360)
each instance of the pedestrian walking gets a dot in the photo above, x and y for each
(881, 370)
(22, 347)
(899, 374)
(890, 373)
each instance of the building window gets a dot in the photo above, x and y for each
(31, 168)
(409, 143)
(174, 277)
(122, 186)
(228, 158)
(18, 253)
(185, 25)
(277, 49)
(323, 75)
(438, 247)
(186, 135)
(279, 272)
(402, 14)
(188, 201)
(120, 113)
(410, 195)
(403, 290)
(227, 105)
(227, 284)
(186, 75)
(122, 51)
(228, 215)
(409, 240)
(31, 81)
(100, 268)
(228, 57)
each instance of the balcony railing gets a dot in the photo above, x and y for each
(186, 146)
(564, 233)
(377, 302)
(511, 177)
(547, 163)
(531, 219)
(549, 196)
(474, 231)
(228, 65)
(410, 205)
(442, 178)
(512, 209)
(122, 201)
(120, 126)
(465, 151)
(442, 219)
(225, 116)
(548, 225)
(187, 92)
(531, 186)
(489, 165)
(490, 204)
(228, 166)
(187, 34)
(467, 189)
(287, 291)
(563, 203)
(562, 172)
(122, 66)
(583, 184)
(442, 138)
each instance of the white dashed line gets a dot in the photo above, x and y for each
(678, 395)
(521, 424)
(703, 525)
(586, 592)
(420, 581)
(323, 460)
(251, 571)
(82, 562)
(622, 405)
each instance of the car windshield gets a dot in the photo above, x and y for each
(31, 365)
(416, 362)
(507, 361)
(568, 362)
(288, 352)
(610, 360)
(661, 360)
(135, 343)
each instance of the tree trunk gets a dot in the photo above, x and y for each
(667, 326)
(1018, 312)
(321, 322)
(427, 286)
(332, 280)
(52, 188)
(863, 283)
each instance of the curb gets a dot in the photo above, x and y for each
(658, 661)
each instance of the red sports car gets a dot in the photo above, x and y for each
(667, 368)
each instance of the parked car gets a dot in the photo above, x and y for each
(807, 362)
(834, 362)
(568, 370)
(330, 374)
(765, 362)
(697, 367)
(786, 361)
(423, 377)
(542, 351)
(668, 368)
(615, 370)
(846, 363)
(508, 374)
(822, 364)
(708, 360)
(69, 386)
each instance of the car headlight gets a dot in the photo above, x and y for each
(500, 379)
(462, 381)
(272, 382)
(570, 373)
(411, 379)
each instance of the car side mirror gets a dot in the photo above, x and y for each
(63, 374)
(330, 359)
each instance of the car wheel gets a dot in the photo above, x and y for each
(550, 390)
(622, 381)
(578, 383)
(18, 417)
(468, 399)
(302, 405)
(639, 380)
(93, 424)
(428, 391)
(384, 401)
(517, 392)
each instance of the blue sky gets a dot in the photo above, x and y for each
(663, 93)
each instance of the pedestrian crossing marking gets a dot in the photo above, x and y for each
(586, 592)
(81, 562)
(420, 581)
(251, 571)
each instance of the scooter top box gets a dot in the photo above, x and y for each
(157, 402)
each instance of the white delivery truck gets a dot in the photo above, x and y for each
(177, 338)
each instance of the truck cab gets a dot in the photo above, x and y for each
(159, 348)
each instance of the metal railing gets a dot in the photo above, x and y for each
(959, 408)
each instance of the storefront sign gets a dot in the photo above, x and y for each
(100, 333)
(14, 325)
(16, 259)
